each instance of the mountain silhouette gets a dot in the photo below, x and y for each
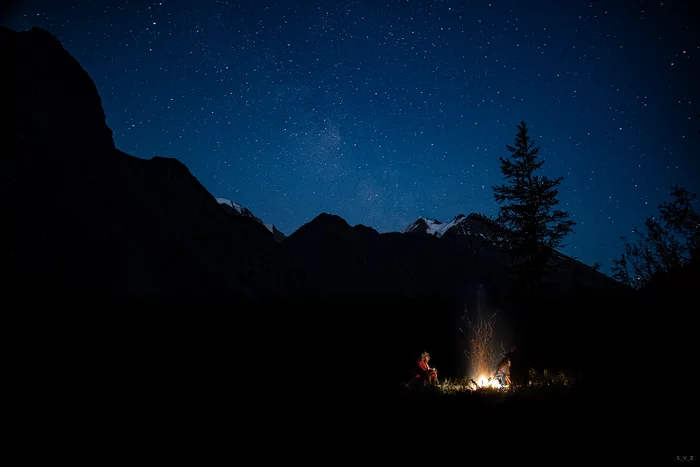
(93, 228)
(92, 221)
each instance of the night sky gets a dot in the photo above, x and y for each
(383, 111)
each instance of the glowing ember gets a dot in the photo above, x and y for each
(482, 359)
(484, 382)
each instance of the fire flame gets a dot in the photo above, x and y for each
(488, 382)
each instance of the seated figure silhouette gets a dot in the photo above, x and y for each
(424, 373)
(513, 368)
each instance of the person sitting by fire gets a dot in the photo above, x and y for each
(512, 368)
(503, 370)
(424, 372)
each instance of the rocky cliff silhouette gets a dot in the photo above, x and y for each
(88, 220)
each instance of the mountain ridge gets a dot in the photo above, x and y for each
(236, 209)
(160, 181)
(94, 228)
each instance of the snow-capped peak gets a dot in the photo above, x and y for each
(236, 209)
(233, 204)
(433, 226)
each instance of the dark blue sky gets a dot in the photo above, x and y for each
(383, 111)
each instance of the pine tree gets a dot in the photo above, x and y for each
(526, 211)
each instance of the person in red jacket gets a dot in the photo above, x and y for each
(424, 372)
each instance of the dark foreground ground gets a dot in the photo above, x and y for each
(106, 374)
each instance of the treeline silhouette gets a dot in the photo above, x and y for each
(668, 246)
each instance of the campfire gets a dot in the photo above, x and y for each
(481, 355)
(490, 382)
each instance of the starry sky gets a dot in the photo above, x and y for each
(386, 110)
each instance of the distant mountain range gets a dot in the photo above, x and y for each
(437, 228)
(475, 226)
(94, 226)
